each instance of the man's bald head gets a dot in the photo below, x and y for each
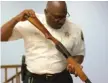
(56, 7)
(55, 13)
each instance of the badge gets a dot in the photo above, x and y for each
(67, 34)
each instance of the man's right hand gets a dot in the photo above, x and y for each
(7, 28)
(20, 17)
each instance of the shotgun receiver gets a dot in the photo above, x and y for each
(59, 46)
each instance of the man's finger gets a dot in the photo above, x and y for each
(76, 74)
(70, 68)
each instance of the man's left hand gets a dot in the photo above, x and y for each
(71, 69)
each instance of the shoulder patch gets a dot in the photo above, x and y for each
(82, 36)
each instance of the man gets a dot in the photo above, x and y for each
(45, 64)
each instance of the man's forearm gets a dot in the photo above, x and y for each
(7, 28)
(79, 58)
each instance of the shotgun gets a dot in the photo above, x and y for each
(59, 46)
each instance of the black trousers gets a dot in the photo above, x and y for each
(63, 77)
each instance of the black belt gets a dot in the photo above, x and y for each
(45, 76)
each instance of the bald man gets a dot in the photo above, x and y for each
(44, 63)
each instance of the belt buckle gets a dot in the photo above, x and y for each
(48, 76)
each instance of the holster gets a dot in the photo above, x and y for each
(23, 68)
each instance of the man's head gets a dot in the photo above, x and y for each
(56, 12)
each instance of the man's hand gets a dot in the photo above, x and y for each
(20, 17)
(71, 69)
(7, 28)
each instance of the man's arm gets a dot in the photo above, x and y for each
(78, 52)
(7, 28)
(79, 58)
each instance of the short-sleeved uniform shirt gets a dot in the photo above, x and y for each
(41, 55)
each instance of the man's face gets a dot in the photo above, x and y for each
(55, 19)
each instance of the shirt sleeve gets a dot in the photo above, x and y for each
(78, 47)
(16, 33)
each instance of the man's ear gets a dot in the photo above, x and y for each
(45, 11)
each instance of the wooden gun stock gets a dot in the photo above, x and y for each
(60, 47)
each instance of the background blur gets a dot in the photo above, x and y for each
(91, 16)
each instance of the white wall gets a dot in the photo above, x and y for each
(92, 16)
